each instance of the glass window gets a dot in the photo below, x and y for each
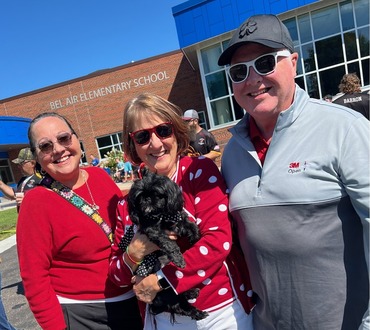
(108, 142)
(83, 159)
(354, 67)
(221, 111)
(363, 39)
(225, 43)
(325, 22)
(300, 82)
(330, 79)
(299, 62)
(238, 110)
(202, 120)
(365, 71)
(346, 14)
(292, 28)
(350, 45)
(210, 57)
(216, 85)
(362, 12)
(312, 86)
(329, 51)
(308, 57)
(304, 28)
(6, 174)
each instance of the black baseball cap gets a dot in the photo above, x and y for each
(266, 30)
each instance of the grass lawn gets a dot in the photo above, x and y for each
(8, 221)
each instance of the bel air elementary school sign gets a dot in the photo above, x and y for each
(108, 90)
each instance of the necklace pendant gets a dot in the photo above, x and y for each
(95, 207)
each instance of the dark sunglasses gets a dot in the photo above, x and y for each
(64, 139)
(263, 65)
(142, 136)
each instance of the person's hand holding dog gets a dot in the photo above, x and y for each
(146, 288)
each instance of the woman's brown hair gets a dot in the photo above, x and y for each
(148, 104)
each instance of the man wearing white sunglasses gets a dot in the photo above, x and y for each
(298, 174)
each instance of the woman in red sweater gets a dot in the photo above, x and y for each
(155, 134)
(64, 237)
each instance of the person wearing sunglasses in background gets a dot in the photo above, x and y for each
(64, 236)
(29, 180)
(298, 173)
(155, 136)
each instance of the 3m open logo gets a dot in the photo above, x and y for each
(294, 167)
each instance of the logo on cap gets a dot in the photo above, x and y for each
(247, 29)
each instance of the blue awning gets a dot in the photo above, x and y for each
(13, 132)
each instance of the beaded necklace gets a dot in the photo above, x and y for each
(76, 200)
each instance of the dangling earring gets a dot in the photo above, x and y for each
(82, 154)
(43, 172)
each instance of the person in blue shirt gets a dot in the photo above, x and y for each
(94, 161)
(128, 171)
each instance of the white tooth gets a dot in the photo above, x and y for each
(259, 93)
(158, 155)
(62, 159)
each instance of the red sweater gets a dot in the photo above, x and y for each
(62, 251)
(205, 197)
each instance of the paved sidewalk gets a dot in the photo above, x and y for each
(12, 293)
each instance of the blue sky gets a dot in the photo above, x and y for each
(44, 42)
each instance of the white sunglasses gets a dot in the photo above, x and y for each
(263, 65)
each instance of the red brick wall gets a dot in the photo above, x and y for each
(101, 114)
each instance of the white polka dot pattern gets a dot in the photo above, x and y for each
(179, 274)
(201, 273)
(212, 179)
(207, 281)
(222, 207)
(205, 197)
(222, 291)
(203, 250)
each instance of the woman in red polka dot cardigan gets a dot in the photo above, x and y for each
(156, 136)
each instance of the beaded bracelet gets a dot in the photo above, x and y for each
(131, 259)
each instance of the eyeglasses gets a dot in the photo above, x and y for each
(263, 65)
(64, 139)
(142, 136)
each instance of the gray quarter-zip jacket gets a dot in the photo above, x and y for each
(303, 218)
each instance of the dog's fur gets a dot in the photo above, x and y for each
(155, 204)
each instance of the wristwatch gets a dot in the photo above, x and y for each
(163, 283)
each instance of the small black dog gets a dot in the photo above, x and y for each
(155, 204)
